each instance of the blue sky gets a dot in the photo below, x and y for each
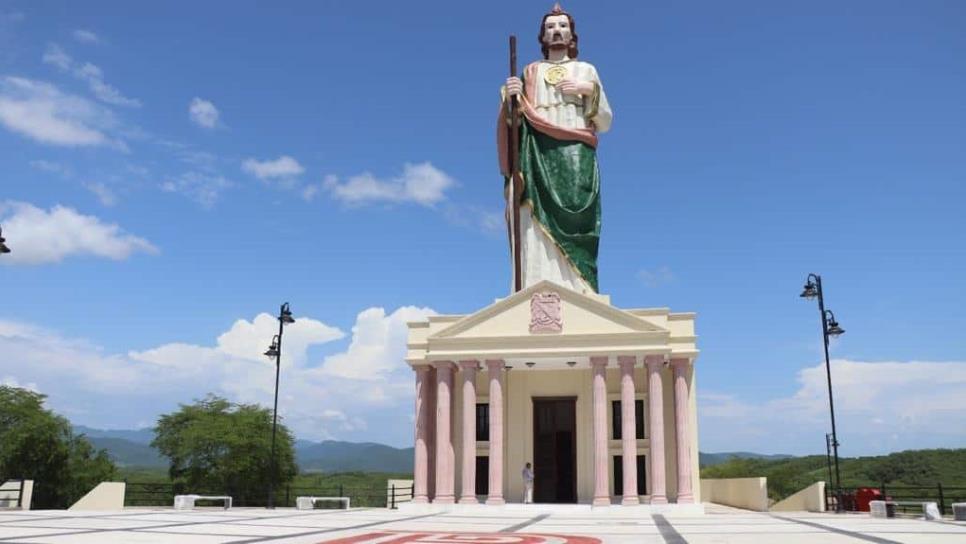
(172, 171)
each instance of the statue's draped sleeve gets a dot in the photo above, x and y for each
(596, 107)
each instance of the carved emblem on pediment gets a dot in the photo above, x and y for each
(545, 313)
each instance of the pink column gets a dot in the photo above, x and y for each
(655, 408)
(468, 488)
(431, 431)
(421, 453)
(601, 491)
(445, 456)
(495, 373)
(683, 434)
(628, 429)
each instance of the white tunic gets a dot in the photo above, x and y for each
(541, 258)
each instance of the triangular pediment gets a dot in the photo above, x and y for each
(578, 314)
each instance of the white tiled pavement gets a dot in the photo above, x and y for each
(381, 526)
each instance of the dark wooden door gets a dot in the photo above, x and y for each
(555, 450)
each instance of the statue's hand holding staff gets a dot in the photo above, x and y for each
(514, 87)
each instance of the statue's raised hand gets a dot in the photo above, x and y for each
(514, 86)
(572, 87)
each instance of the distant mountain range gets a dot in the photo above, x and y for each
(132, 448)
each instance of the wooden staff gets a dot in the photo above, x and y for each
(516, 180)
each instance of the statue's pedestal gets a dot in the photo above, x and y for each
(564, 381)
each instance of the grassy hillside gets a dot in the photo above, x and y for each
(913, 467)
(709, 459)
(127, 453)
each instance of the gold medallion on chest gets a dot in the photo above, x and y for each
(555, 74)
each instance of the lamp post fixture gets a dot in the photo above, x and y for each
(3, 246)
(830, 327)
(275, 351)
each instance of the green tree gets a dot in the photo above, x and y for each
(214, 446)
(38, 445)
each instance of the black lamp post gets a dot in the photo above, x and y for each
(828, 462)
(830, 327)
(3, 246)
(275, 351)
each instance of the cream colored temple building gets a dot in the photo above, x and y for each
(600, 400)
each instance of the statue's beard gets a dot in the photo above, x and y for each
(557, 42)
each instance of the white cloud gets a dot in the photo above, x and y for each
(879, 407)
(378, 344)
(39, 236)
(309, 192)
(419, 183)
(282, 167)
(103, 193)
(487, 221)
(10, 381)
(43, 113)
(86, 36)
(55, 56)
(89, 73)
(202, 187)
(52, 168)
(203, 113)
(122, 389)
(656, 277)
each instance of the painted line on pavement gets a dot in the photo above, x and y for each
(330, 530)
(527, 523)
(829, 528)
(145, 528)
(668, 532)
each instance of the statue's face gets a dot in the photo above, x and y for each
(557, 32)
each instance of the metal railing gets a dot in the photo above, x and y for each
(943, 496)
(162, 494)
(11, 493)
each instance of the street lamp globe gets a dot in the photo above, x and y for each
(833, 326)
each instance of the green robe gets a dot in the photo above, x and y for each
(563, 188)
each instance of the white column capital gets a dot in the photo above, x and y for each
(599, 361)
(626, 360)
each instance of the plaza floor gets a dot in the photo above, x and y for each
(536, 526)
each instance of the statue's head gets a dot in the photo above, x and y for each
(557, 31)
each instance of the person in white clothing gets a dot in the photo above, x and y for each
(527, 484)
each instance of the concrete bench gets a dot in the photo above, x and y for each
(308, 503)
(187, 502)
(887, 509)
(959, 511)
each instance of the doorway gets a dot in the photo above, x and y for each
(555, 450)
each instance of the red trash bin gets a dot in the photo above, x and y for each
(865, 495)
